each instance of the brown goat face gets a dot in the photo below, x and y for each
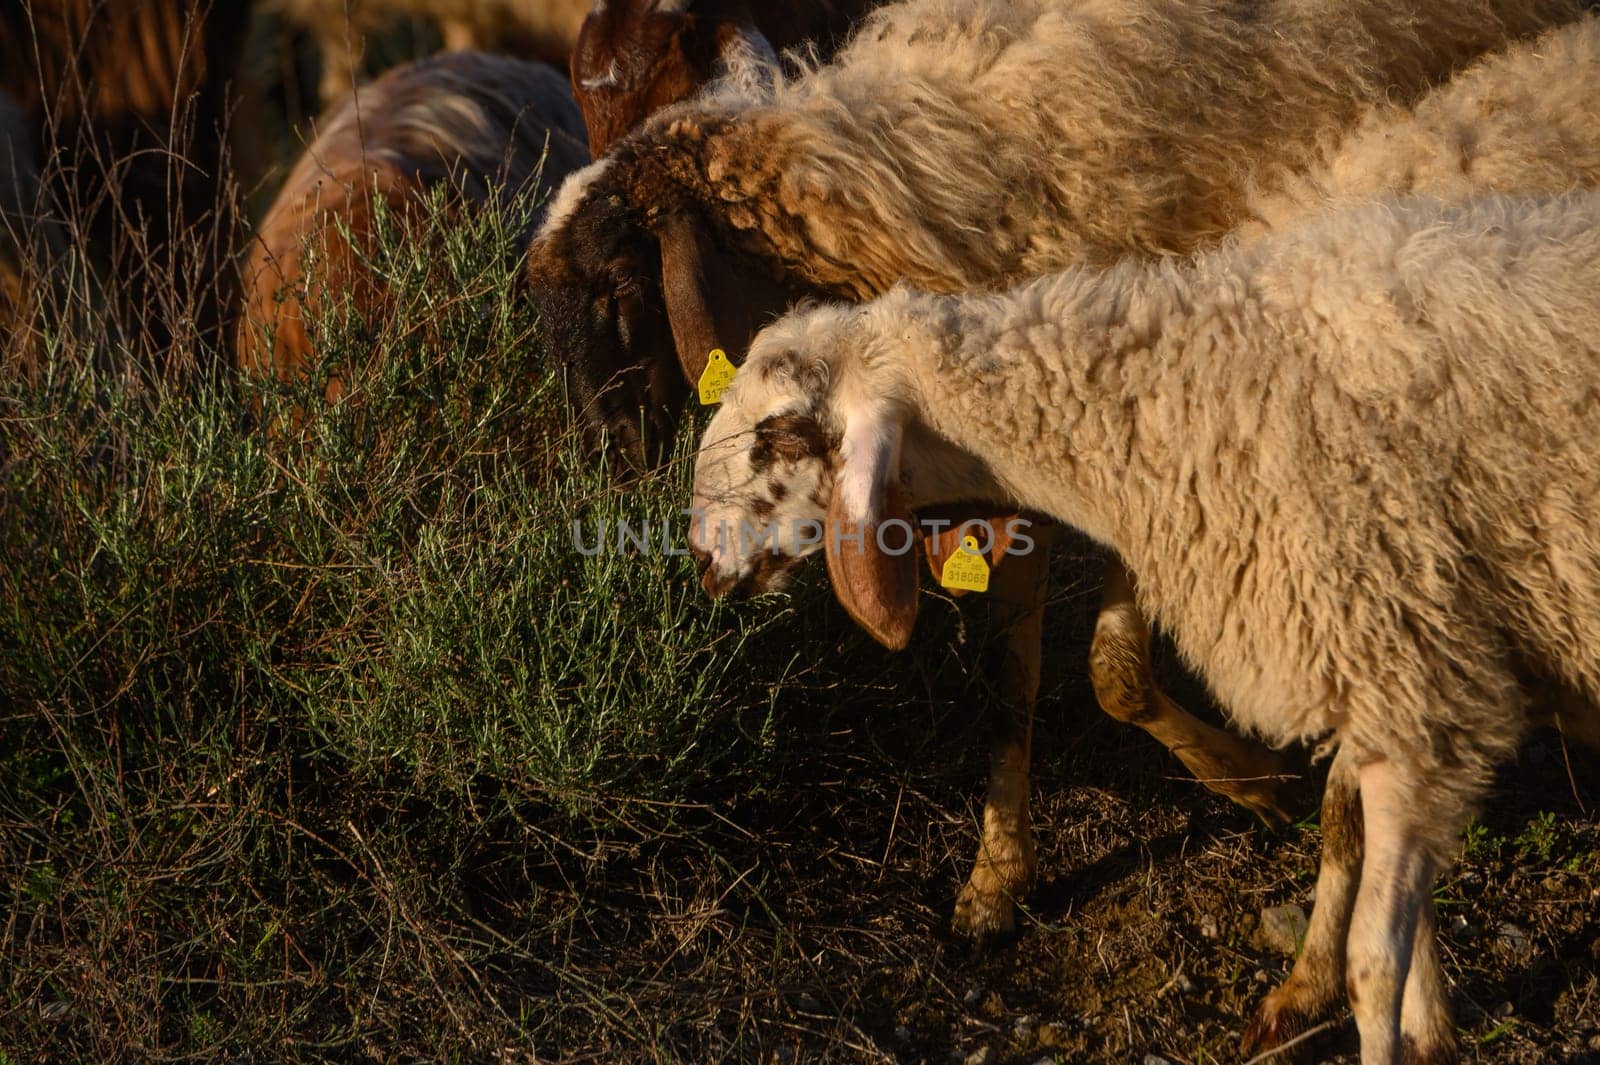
(632, 59)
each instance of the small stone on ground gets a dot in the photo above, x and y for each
(1282, 928)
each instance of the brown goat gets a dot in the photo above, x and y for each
(476, 124)
(532, 29)
(125, 103)
(635, 57)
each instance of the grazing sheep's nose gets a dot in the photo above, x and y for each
(715, 584)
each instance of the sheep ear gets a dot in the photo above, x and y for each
(870, 547)
(708, 304)
(673, 7)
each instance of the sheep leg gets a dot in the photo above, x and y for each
(1427, 1031)
(1006, 863)
(1317, 980)
(1119, 665)
(1397, 875)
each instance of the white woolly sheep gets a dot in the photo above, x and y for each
(963, 144)
(1353, 467)
(533, 29)
(476, 124)
(1522, 121)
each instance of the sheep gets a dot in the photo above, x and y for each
(634, 57)
(126, 105)
(480, 125)
(1353, 466)
(43, 288)
(19, 229)
(534, 29)
(967, 144)
(1521, 121)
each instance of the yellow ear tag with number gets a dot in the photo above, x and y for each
(966, 570)
(716, 377)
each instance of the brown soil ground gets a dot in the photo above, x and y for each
(811, 923)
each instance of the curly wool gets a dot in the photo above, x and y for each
(971, 143)
(1522, 121)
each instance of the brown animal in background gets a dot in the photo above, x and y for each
(635, 57)
(126, 103)
(477, 124)
(532, 29)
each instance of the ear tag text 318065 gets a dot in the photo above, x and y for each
(716, 377)
(966, 569)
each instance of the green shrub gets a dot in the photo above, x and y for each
(292, 692)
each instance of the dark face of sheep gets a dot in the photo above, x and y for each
(635, 289)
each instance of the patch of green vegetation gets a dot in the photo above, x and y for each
(1479, 843)
(1500, 1030)
(1539, 837)
(316, 724)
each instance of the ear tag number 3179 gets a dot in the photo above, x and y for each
(966, 570)
(716, 377)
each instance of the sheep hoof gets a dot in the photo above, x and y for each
(1269, 800)
(986, 917)
(1277, 1020)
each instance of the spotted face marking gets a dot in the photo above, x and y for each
(768, 464)
(762, 482)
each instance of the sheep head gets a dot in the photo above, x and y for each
(805, 454)
(635, 288)
(634, 57)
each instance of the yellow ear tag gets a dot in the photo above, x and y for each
(966, 570)
(716, 377)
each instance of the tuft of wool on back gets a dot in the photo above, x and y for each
(951, 145)
(1519, 121)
